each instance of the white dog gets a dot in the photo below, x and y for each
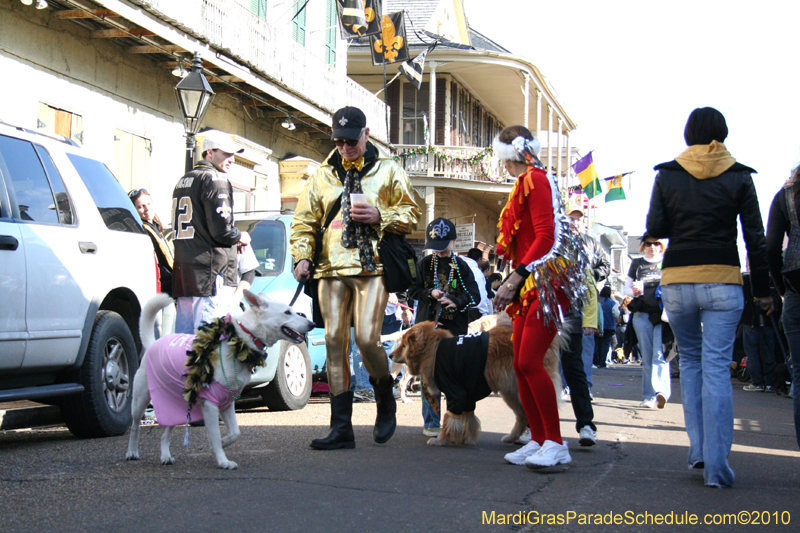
(209, 377)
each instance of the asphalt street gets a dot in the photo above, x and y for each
(636, 475)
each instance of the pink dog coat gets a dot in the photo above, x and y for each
(166, 374)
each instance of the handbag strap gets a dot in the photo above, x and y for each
(788, 191)
(332, 213)
(337, 205)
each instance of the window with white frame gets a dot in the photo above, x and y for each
(59, 121)
(415, 111)
(132, 160)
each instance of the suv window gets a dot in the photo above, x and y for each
(31, 191)
(269, 244)
(63, 202)
(114, 205)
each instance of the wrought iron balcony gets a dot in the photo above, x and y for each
(459, 162)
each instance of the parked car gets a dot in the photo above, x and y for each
(75, 268)
(285, 381)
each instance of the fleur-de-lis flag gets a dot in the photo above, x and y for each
(352, 18)
(373, 12)
(390, 45)
(412, 70)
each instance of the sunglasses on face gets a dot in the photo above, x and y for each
(341, 142)
(652, 244)
(136, 192)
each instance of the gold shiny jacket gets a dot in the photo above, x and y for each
(387, 187)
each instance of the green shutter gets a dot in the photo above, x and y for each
(331, 25)
(259, 7)
(299, 22)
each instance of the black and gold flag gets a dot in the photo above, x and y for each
(373, 13)
(390, 46)
(352, 19)
(412, 70)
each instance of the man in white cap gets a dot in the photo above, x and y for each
(206, 273)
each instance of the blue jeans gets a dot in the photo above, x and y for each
(606, 345)
(192, 311)
(429, 416)
(791, 326)
(759, 346)
(704, 318)
(587, 354)
(360, 381)
(655, 369)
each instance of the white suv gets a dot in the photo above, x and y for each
(75, 269)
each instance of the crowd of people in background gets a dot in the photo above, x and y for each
(685, 297)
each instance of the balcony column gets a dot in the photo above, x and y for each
(560, 180)
(568, 180)
(549, 145)
(430, 204)
(431, 115)
(526, 91)
(537, 133)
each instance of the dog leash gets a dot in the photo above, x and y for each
(297, 292)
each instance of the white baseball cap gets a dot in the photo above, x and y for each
(216, 140)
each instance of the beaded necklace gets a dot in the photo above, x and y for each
(451, 281)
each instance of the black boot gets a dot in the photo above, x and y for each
(385, 422)
(341, 433)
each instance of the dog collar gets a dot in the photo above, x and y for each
(260, 345)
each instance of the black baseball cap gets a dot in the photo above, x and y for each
(439, 234)
(348, 123)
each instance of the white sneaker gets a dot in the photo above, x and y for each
(525, 438)
(518, 457)
(648, 404)
(550, 454)
(431, 432)
(588, 436)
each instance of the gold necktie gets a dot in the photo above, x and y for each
(358, 163)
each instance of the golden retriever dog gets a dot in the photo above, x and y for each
(417, 349)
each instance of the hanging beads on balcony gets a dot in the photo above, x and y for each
(480, 160)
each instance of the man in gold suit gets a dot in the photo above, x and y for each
(376, 197)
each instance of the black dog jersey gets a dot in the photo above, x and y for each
(459, 371)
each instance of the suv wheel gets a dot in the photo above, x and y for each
(291, 388)
(103, 409)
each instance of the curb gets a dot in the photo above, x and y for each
(29, 417)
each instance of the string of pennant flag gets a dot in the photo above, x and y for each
(591, 183)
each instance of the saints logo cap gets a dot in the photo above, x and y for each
(348, 123)
(439, 234)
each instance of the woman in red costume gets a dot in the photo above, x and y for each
(528, 237)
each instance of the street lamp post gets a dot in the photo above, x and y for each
(194, 98)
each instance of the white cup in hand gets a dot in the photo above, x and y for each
(358, 198)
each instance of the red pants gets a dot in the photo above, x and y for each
(531, 341)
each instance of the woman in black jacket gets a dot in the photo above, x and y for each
(165, 322)
(695, 203)
(786, 273)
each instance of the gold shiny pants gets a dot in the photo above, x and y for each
(359, 301)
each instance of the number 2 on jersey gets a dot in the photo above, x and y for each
(182, 213)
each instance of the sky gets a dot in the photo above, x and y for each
(630, 72)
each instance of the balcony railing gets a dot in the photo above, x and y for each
(272, 52)
(461, 162)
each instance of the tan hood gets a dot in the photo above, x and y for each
(705, 161)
